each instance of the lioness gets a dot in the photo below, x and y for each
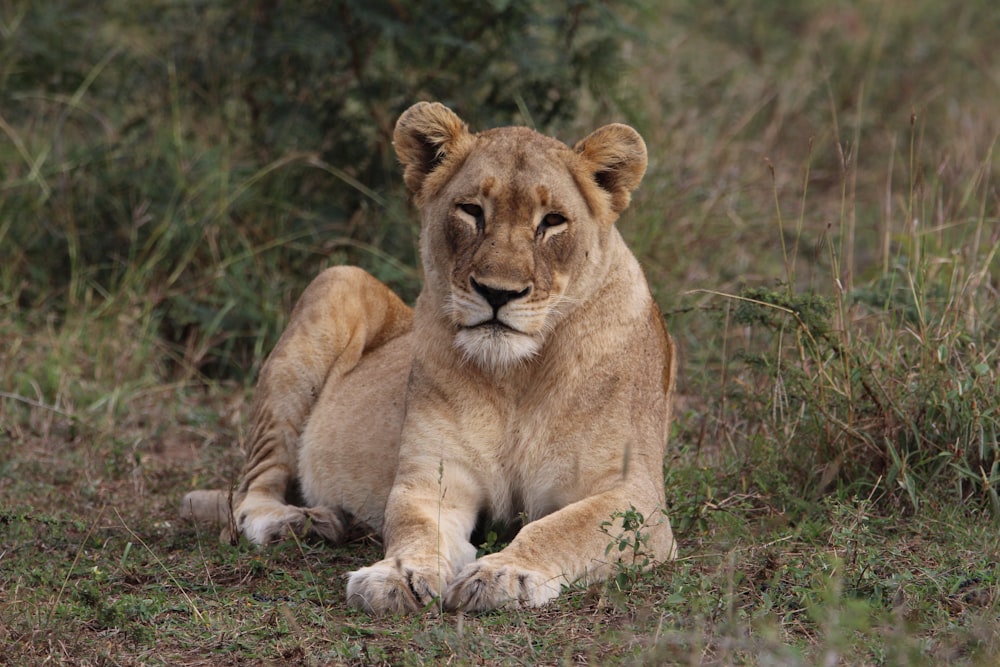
(533, 379)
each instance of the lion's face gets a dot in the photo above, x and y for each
(506, 233)
(514, 225)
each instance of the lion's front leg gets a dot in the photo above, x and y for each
(427, 527)
(566, 546)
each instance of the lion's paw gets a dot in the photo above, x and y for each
(275, 522)
(392, 586)
(492, 581)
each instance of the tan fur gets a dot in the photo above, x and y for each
(533, 379)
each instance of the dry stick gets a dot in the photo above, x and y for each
(723, 376)
(208, 572)
(76, 559)
(987, 163)
(296, 629)
(802, 326)
(887, 219)
(37, 404)
(781, 227)
(34, 164)
(852, 215)
(789, 290)
(302, 552)
(159, 562)
(911, 221)
(840, 280)
(978, 277)
(802, 206)
(844, 159)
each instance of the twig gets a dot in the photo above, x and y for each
(37, 404)
(159, 562)
(76, 559)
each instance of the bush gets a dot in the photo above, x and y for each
(215, 155)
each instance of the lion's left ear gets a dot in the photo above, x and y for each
(426, 134)
(617, 154)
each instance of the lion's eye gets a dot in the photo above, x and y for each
(549, 222)
(475, 211)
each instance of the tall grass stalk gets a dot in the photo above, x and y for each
(883, 384)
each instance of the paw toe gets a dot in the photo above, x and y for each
(324, 522)
(391, 587)
(483, 586)
(282, 522)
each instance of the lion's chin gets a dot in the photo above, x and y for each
(496, 347)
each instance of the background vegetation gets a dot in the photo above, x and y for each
(819, 223)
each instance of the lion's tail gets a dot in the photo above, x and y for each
(211, 507)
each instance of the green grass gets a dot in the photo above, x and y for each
(820, 222)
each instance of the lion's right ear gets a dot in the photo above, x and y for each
(426, 135)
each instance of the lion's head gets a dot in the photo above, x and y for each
(515, 225)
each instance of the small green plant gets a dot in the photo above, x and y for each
(629, 547)
(492, 543)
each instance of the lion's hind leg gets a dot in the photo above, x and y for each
(342, 315)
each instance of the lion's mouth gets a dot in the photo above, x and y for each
(494, 326)
(495, 344)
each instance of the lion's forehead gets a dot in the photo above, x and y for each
(538, 174)
(512, 139)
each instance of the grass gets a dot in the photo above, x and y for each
(819, 223)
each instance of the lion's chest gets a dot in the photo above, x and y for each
(551, 444)
(540, 464)
(532, 478)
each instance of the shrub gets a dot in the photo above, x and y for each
(207, 159)
(892, 386)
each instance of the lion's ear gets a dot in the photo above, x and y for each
(617, 154)
(426, 134)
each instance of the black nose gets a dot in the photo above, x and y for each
(497, 298)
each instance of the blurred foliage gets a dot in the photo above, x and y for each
(212, 156)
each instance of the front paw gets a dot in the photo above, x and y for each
(393, 586)
(493, 581)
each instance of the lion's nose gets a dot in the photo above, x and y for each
(497, 298)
